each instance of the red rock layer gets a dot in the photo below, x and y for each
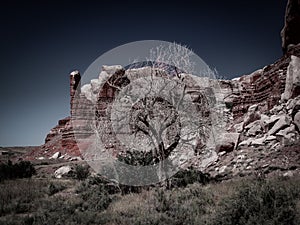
(263, 87)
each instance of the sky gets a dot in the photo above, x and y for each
(43, 41)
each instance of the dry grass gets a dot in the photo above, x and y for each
(28, 201)
(17, 196)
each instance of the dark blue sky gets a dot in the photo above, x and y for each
(43, 41)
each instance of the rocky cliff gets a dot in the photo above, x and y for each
(262, 114)
(291, 33)
(264, 87)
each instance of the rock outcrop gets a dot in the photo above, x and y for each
(262, 114)
(262, 111)
(292, 83)
(291, 33)
(63, 171)
(265, 86)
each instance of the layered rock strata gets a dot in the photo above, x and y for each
(262, 114)
(264, 88)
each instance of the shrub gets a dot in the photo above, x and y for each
(161, 206)
(184, 206)
(18, 196)
(54, 188)
(184, 177)
(260, 203)
(181, 179)
(23, 169)
(95, 196)
(138, 158)
(82, 208)
(81, 172)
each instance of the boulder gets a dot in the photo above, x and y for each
(222, 153)
(254, 128)
(239, 127)
(246, 142)
(64, 156)
(264, 118)
(295, 109)
(228, 142)
(251, 117)
(225, 147)
(276, 109)
(272, 120)
(223, 171)
(252, 108)
(275, 146)
(76, 158)
(291, 104)
(62, 171)
(207, 159)
(263, 123)
(288, 174)
(55, 155)
(270, 138)
(297, 120)
(282, 123)
(292, 82)
(258, 141)
(288, 139)
(286, 131)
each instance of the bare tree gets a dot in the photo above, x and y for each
(156, 108)
(162, 108)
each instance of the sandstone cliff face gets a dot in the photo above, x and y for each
(265, 86)
(291, 32)
(292, 86)
(249, 100)
(262, 114)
